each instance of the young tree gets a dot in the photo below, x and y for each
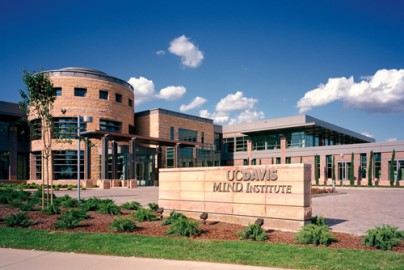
(351, 171)
(370, 170)
(316, 169)
(37, 101)
(391, 167)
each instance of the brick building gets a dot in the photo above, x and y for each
(124, 146)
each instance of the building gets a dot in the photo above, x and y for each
(127, 147)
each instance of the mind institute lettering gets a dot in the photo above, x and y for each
(251, 181)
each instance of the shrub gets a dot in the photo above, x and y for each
(315, 234)
(52, 210)
(144, 214)
(70, 219)
(253, 232)
(93, 204)
(174, 216)
(123, 225)
(66, 202)
(384, 237)
(19, 219)
(184, 227)
(320, 221)
(153, 206)
(131, 205)
(28, 207)
(109, 209)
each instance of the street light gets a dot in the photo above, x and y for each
(86, 119)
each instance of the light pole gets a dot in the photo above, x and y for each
(86, 119)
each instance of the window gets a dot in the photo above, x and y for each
(130, 103)
(218, 141)
(131, 129)
(65, 164)
(57, 91)
(241, 144)
(36, 129)
(103, 94)
(273, 142)
(170, 157)
(80, 92)
(4, 164)
(187, 135)
(202, 137)
(278, 160)
(258, 142)
(110, 125)
(288, 160)
(363, 166)
(37, 157)
(118, 98)
(378, 165)
(328, 159)
(66, 127)
(186, 157)
(228, 145)
(22, 166)
(171, 133)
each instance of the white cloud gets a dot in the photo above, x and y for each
(195, 103)
(143, 89)
(190, 55)
(383, 92)
(367, 134)
(172, 92)
(217, 117)
(247, 116)
(161, 52)
(392, 140)
(235, 102)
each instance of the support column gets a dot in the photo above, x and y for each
(104, 158)
(132, 162)
(114, 160)
(177, 155)
(283, 149)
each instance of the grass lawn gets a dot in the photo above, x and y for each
(239, 252)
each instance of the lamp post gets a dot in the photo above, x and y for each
(86, 119)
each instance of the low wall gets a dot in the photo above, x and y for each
(279, 194)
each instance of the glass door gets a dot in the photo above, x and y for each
(343, 170)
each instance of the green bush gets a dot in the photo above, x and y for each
(143, 214)
(109, 209)
(70, 219)
(66, 202)
(123, 225)
(131, 205)
(174, 216)
(94, 204)
(28, 207)
(52, 210)
(384, 237)
(20, 219)
(153, 206)
(184, 227)
(253, 232)
(315, 234)
(320, 221)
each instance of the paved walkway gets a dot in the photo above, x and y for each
(11, 259)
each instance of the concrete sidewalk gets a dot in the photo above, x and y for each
(11, 259)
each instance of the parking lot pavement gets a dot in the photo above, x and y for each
(355, 210)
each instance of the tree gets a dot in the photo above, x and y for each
(37, 101)
(370, 169)
(392, 167)
(316, 169)
(351, 171)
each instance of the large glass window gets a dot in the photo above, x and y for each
(66, 127)
(187, 135)
(186, 157)
(171, 133)
(295, 139)
(37, 156)
(273, 142)
(65, 164)
(218, 141)
(329, 165)
(110, 125)
(363, 165)
(228, 145)
(258, 142)
(170, 157)
(241, 144)
(36, 129)
(57, 91)
(378, 165)
(80, 92)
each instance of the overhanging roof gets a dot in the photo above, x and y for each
(98, 134)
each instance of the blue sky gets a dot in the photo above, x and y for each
(232, 61)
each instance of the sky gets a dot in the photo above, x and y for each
(231, 61)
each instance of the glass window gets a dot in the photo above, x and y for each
(258, 142)
(295, 139)
(273, 142)
(171, 133)
(130, 103)
(80, 92)
(65, 164)
(329, 166)
(378, 165)
(241, 144)
(187, 135)
(57, 91)
(118, 98)
(218, 141)
(66, 127)
(170, 157)
(104, 94)
(228, 145)
(278, 160)
(4, 165)
(202, 137)
(22, 166)
(37, 156)
(110, 125)
(363, 165)
(36, 129)
(186, 156)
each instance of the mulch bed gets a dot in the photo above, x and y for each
(212, 230)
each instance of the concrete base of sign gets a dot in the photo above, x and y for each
(279, 194)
